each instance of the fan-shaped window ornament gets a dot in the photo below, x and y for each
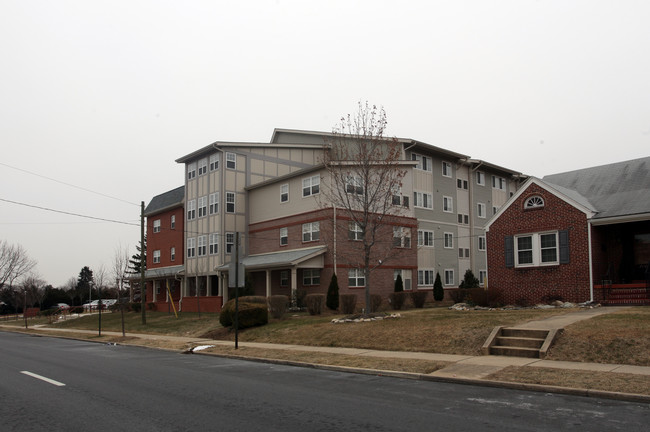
(534, 202)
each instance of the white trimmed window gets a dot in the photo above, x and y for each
(284, 193)
(534, 202)
(426, 278)
(172, 223)
(463, 219)
(214, 162)
(422, 199)
(310, 231)
(230, 242)
(462, 184)
(447, 204)
(156, 226)
(172, 254)
(449, 240)
(449, 277)
(310, 186)
(482, 277)
(480, 178)
(463, 253)
(446, 169)
(191, 210)
(402, 237)
(353, 184)
(537, 249)
(481, 212)
(284, 236)
(214, 203)
(354, 231)
(424, 162)
(214, 243)
(356, 278)
(156, 257)
(481, 243)
(311, 277)
(230, 202)
(231, 161)
(498, 183)
(203, 166)
(191, 247)
(406, 278)
(202, 247)
(191, 170)
(425, 238)
(203, 206)
(284, 278)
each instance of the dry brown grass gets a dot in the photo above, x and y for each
(433, 330)
(386, 364)
(606, 381)
(620, 338)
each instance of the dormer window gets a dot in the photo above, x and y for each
(535, 201)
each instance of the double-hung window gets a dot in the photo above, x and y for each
(203, 206)
(284, 236)
(230, 242)
(311, 277)
(156, 257)
(230, 202)
(172, 254)
(422, 199)
(191, 210)
(536, 249)
(480, 178)
(353, 185)
(172, 222)
(356, 278)
(203, 166)
(426, 278)
(284, 193)
(425, 238)
(191, 171)
(423, 162)
(310, 186)
(402, 237)
(481, 243)
(446, 169)
(214, 162)
(156, 226)
(310, 231)
(202, 247)
(481, 212)
(449, 277)
(214, 243)
(447, 204)
(449, 240)
(214, 203)
(354, 231)
(231, 161)
(498, 183)
(191, 247)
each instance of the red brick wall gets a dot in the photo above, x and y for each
(534, 284)
(166, 238)
(264, 237)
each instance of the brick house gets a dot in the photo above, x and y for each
(165, 240)
(576, 236)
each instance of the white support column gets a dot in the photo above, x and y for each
(294, 287)
(268, 283)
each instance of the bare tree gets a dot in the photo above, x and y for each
(365, 171)
(34, 288)
(14, 263)
(120, 266)
(70, 289)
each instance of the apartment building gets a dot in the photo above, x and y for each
(269, 193)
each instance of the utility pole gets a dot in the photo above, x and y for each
(143, 263)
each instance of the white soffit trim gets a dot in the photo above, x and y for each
(549, 188)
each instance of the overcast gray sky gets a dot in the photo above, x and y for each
(107, 94)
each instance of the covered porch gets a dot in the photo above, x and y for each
(621, 263)
(283, 272)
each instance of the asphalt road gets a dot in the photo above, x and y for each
(99, 387)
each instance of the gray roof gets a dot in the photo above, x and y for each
(163, 271)
(280, 259)
(165, 201)
(618, 189)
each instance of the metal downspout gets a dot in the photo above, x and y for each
(591, 269)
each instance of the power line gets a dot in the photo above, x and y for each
(69, 184)
(69, 213)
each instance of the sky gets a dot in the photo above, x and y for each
(99, 98)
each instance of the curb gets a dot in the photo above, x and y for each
(539, 388)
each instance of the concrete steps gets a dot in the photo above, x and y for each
(519, 342)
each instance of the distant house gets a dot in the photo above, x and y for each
(576, 236)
